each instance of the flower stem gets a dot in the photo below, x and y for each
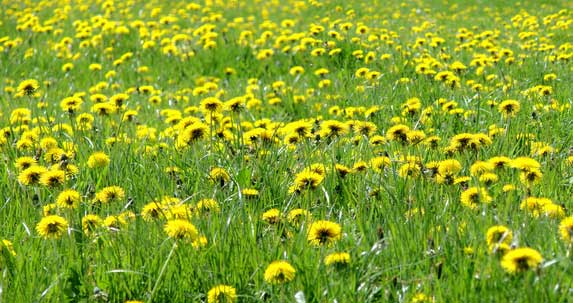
(162, 272)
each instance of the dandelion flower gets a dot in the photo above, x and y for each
(53, 178)
(497, 235)
(279, 272)
(525, 164)
(151, 211)
(332, 128)
(298, 215)
(409, 170)
(199, 242)
(342, 170)
(23, 163)
(554, 211)
(69, 199)
(104, 108)
(473, 196)
(52, 227)
(447, 170)
(337, 259)
(499, 162)
(324, 233)
(488, 178)
(398, 133)
(90, 223)
(249, 193)
(222, 293)
(421, 298)
(7, 246)
(181, 229)
(535, 206)
(114, 223)
(98, 160)
(31, 175)
(566, 229)
(71, 104)
(530, 177)
(509, 108)
(272, 216)
(109, 194)
(521, 259)
(211, 105)
(192, 133)
(307, 179)
(207, 206)
(219, 176)
(28, 87)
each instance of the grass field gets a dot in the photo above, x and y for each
(286, 151)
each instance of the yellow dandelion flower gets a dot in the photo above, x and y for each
(114, 223)
(104, 108)
(360, 166)
(332, 129)
(342, 170)
(180, 211)
(199, 242)
(337, 259)
(409, 170)
(49, 209)
(28, 87)
(207, 206)
(219, 176)
(298, 215)
(71, 104)
(398, 133)
(488, 178)
(520, 260)
(530, 177)
(324, 233)
(481, 167)
(181, 229)
(535, 206)
(53, 178)
(509, 108)
(554, 211)
(272, 216)
(98, 160)
(279, 272)
(109, 194)
(474, 196)
(69, 199)
(497, 235)
(249, 193)
(499, 162)
(7, 246)
(118, 99)
(52, 227)
(90, 223)
(222, 293)
(31, 175)
(151, 211)
(211, 105)
(422, 298)
(296, 70)
(566, 229)
(23, 163)
(525, 164)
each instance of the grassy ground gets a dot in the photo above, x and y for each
(169, 151)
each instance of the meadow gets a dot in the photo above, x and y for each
(286, 151)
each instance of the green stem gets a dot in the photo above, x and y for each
(162, 272)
